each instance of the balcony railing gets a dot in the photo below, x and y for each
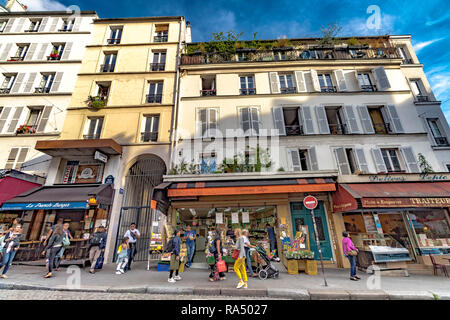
(32, 30)
(294, 130)
(113, 41)
(408, 61)
(16, 58)
(149, 136)
(107, 67)
(154, 98)
(65, 30)
(157, 66)
(328, 89)
(160, 38)
(92, 136)
(368, 88)
(208, 92)
(382, 128)
(247, 91)
(294, 55)
(338, 129)
(53, 57)
(441, 141)
(42, 90)
(5, 90)
(422, 98)
(288, 90)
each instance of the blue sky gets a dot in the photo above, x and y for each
(427, 21)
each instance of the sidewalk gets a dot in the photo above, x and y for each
(301, 286)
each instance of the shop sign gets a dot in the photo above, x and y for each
(44, 206)
(100, 156)
(405, 202)
(109, 180)
(419, 177)
(89, 173)
(310, 202)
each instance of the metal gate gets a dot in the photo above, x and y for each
(141, 179)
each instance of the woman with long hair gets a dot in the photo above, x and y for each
(54, 244)
(218, 252)
(239, 264)
(11, 245)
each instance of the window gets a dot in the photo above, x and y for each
(93, 128)
(435, 129)
(16, 158)
(448, 167)
(300, 160)
(21, 52)
(155, 92)
(247, 85)
(351, 160)
(208, 163)
(243, 56)
(207, 122)
(109, 62)
(46, 83)
(286, 83)
(250, 122)
(159, 61)
(431, 228)
(34, 26)
(404, 55)
(279, 55)
(67, 25)
(417, 89)
(326, 83)
(208, 86)
(3, 25)
(335, 120)
(161, 33)
(33, 117)
(365, 82)
(7, 83)
(391, 160)
(57, 52)
(116, 35)
(379, 119)
(150, 128)
(292, 121)
(103, 91)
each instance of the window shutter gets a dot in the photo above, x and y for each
(3, 117)
(202, 123)
(308, 126)
(11, 158)
(19, 27)
(278, 119)
(67, 50)
(322, 120)
(9, 25)
(366, 121)
(256, 125)
(5, 53)
(213, 116)
(15, 119)
(342, 162)
(314, 166)
(31, 52)
(245, 120)
(410, 159)
(54, 24)
(18, 83)
(43, 24)
(358, 85)
(395, 120)
(300, 81)
(361, 159)
(381, 78)
(315, 80)
(379, 161)
(76, 24)
(350, 116)
(44, 49)
(274, 82)
(44, 118)
(21, 159)
(56, 82)
(295, 160)
(340, 80)
(30, 82)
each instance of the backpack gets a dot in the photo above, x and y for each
(169, 246)
(96, 239)
(212, 247)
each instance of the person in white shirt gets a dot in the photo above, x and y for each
(133, 235)
(247, 247)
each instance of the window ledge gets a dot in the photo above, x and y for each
(440, 147)
(418, 103)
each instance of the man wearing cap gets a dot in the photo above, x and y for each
(133, 235)
(97, 244)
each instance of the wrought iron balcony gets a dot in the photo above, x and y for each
(382, 128)
(16, 58)
(113, 41)
(42, 90)
(54, 57)
(107, 67)
(149, 136)
(5, 90)
(408, 61)
(294, 130)
(288, 90)
(441, 141)
(92, 136)
(247, 91)
(338, 129)
(154, 98)
(208, 92)
(160, 38)
(328, 89)
(422, 98)
(158, 66)
(369, 88)
(65, 30)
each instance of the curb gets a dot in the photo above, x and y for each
(294, 294)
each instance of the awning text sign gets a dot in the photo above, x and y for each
(405, 202)
(44, 206)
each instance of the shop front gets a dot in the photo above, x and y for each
(395, 225)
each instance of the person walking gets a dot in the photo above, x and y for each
(11, 245)
(239, 264)
(97, 245)
(52, 229)
(350, 251)
(247, 247)
(218, 252)
(175, 257)
(122, 256)
(66, 242)
(54, 244)
(133, 235)
(272, 239)
(190, 237)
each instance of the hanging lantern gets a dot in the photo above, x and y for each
(92, 202)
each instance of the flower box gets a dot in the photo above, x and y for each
(24, 129)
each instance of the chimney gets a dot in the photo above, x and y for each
(188, 32)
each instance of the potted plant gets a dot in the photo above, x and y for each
(54, 55)
(96, 102)
(24, 129)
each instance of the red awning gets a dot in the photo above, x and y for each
(11, 187)
(352, 196)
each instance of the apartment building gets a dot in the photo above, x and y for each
(302, 117)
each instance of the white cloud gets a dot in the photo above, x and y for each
(43, 5)
(420, 45)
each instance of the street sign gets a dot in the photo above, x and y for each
(310, 202)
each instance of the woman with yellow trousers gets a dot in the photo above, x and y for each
(239, 265)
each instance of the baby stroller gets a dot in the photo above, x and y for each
(266, 270)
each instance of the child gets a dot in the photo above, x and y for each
(122, 256)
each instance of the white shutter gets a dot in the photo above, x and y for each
(9, 25)
(54, 24)
(358, 85)
(43, 24)
(30, 82)
(201, 121)
(381, 78)
(31, 52)
(245, 119)
(322, 120)
(410, 159)
(350, 116)
(19, 27)
(300, 81)
(6, 51)
(278, 119)
(56, 82)
(295, 160)
(3, 117)
(21, 158)
(256, 124)
(44, 118)
(361, 160)
(274, 82)
(11, 158)
(315, 80)
(314, 166)
(18, 83)
(76, 24)
(379, 161)
(44, 49)
(213, 117)
(308, 127)
(67, 50)
(342, 162)
(340, 80)
(395, 120)
(366, 121)
(15, 119)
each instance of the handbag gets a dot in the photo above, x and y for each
(66, 242)
(352, 253)
(221, 266)
(235, 254)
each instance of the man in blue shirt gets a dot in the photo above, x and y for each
(272, 238)
(190, 236)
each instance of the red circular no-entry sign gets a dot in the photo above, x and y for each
(310, 202)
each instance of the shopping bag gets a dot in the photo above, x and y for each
(99, 263)
(221, 266)
(235, 254)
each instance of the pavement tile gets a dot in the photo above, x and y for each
(244, 292)
(368, 295)
(295, 294)
(409, 295)
(326, 294)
